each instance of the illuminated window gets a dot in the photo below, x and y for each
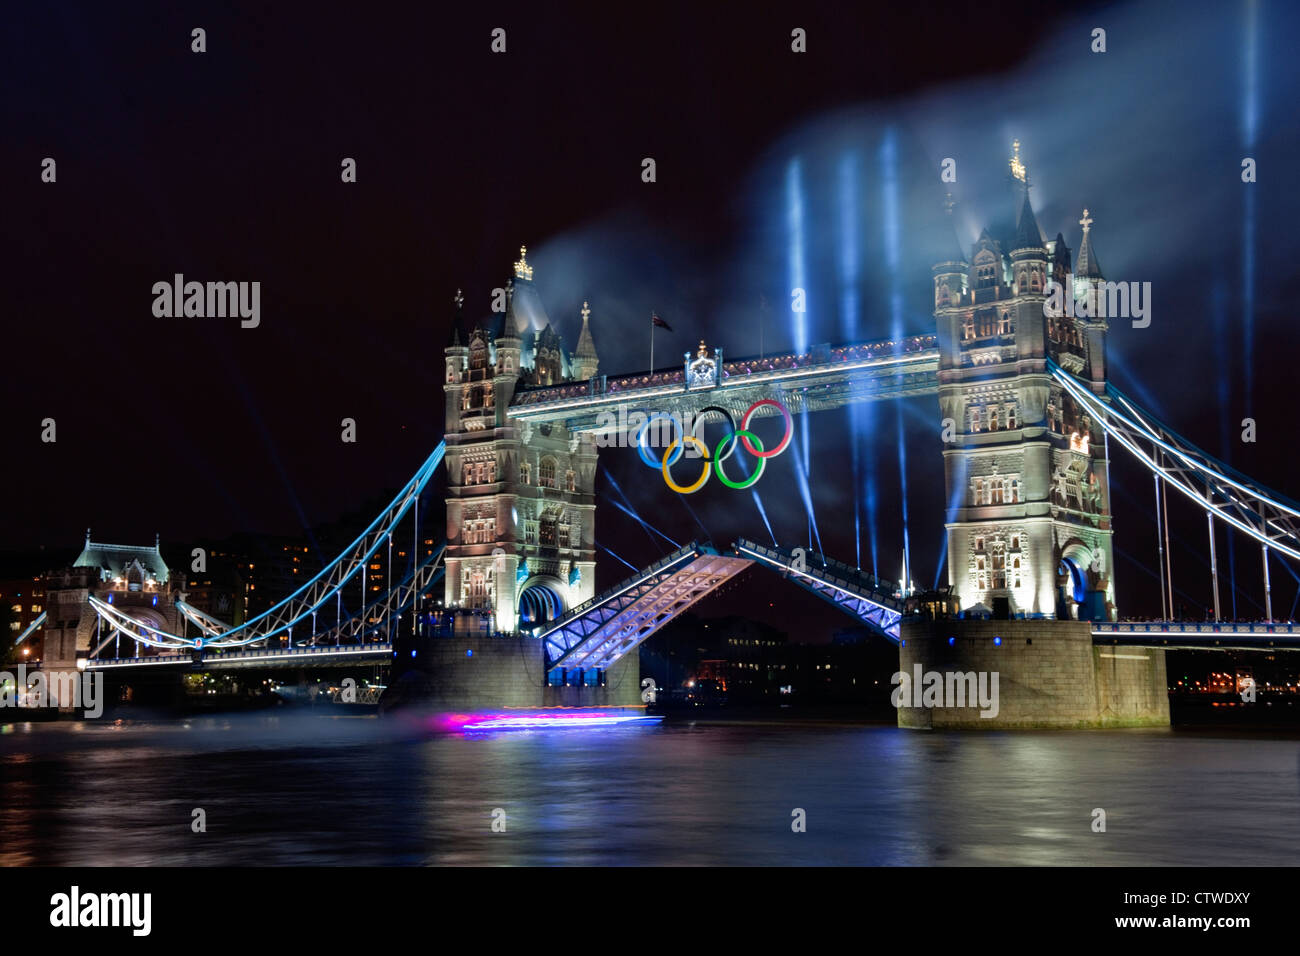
(1004, 324)
(546, 473)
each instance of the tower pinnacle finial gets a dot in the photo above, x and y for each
(1085, 222)
(586, 311)
(522, 269)
(459, 299)
(1018, 170)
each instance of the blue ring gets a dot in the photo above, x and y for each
(643, 451)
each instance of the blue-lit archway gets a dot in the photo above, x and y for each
(541, 600)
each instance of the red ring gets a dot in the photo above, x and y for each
(789, 429)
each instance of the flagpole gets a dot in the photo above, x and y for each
(652, 343)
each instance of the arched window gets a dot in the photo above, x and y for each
(525, 473)
(546, 473)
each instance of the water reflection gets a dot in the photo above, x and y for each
(320, 791)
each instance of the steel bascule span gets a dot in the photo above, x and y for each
(600, 631)
(853, 591)
(824, 377)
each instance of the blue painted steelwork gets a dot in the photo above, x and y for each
(599, 632)
(1213, 486)
(30, 628)
(1225, 635)
(315, 594)
(855, 592)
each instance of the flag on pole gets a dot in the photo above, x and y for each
(655, 320)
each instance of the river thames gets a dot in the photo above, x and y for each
(311, 790)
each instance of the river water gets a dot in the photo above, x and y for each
(311, 790)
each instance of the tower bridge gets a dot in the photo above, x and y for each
(1027, 416)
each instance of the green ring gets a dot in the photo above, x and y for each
(717, 461)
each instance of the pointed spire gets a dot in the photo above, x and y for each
(1061, 253)
(1087, 266)
(586, 347)
(585, 361)
(1028, 235)
(459, 301)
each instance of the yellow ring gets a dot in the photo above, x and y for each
(704, 475)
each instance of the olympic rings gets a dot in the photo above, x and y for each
(722, 475)
(640, 439)
(731, 423)
(737, 436)
(785, 440)
(704, 473)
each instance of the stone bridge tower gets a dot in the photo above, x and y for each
(520, 498)
(1029, 529)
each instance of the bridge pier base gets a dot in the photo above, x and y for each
(465, 673)
(1029, 674)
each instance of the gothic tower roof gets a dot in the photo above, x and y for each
(1028, 235)
(586, 347)
(1087, 266)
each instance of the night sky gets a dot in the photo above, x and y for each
(225, 166)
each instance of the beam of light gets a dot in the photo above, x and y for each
(632, 513)
(848, 258)
(794, 207)
(1250, 75)
(797, 271)
(805, 492)
(758, 503)
(1132, 383)
(1219, 310)
(849, 303)
(1249, 126)
(758, 499)
(892, 245)
(617, 558)
(643, 523)
(893, 231)
(954, 503)
(687, 505)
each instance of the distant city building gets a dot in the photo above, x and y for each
(24, 599)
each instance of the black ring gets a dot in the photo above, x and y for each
(699, 420)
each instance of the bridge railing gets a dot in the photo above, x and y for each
(686, 551)
(846, 576)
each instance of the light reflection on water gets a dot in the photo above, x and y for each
(309, 790)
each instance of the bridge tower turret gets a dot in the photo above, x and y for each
(520, 499)
(1029, 533)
